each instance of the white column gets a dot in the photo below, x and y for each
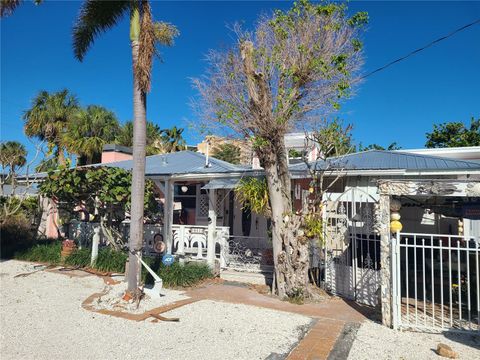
(181, 241)
(168, 216)
(95, 242)
(212, 224)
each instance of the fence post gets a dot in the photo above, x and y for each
(212, 226)
(95, 242)
(385, 260)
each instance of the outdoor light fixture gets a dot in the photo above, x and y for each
(184, 188)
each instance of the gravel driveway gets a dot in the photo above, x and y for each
(374, 341)
(42, 318)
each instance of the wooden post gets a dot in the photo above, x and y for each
(168, 216)
(385, 260)
(95, 242)
(212, 224)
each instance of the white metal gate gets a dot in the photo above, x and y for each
(436, 282)
(352, 248)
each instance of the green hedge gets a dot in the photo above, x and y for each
(176, 275)
(46, 251)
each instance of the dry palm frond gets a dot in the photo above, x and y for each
(146, 50)
(165, 33)
(151, 33)
(7, 7)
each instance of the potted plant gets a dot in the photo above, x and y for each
(68, 247)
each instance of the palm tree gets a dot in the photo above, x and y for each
(49, 118)
(91, 129)
(227, 152)
(125, 137)
(95, 18)
(7, 7)
(172, 140)
(12, 155)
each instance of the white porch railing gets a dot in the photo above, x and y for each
(192, 240)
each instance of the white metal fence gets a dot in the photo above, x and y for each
(352, 248)
(436, 282)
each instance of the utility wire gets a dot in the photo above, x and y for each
(420, 49)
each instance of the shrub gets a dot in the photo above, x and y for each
(45, 251)
(111, 260)
(15, 235)
(178, 275)
(80, 257)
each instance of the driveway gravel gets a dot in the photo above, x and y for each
(41, 318)
(374, 341)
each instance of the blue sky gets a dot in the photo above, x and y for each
(398, 104)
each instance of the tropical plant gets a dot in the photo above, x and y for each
(95, 18)
(294, 66)
(104, 191)
(91, 129)
(171, 140)
(334, 139)
(7, 7)
(48, 120)
(125, 137)
(392, 146)
(454, 134)
(13, 155)
(227, 152)
(252, 193)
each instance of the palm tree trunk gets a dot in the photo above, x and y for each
(60, 155)
(138, 176)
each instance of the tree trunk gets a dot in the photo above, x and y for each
(290, 249)
(138, 177)
(60, 155)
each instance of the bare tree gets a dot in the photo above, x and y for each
(293, 66)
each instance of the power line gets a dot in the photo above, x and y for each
(420, 49)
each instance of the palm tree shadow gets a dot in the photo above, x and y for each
(471, 339)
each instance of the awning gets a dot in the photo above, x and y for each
(222, 184)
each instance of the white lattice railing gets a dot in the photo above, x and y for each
(192, 240)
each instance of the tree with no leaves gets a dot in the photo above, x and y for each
(96, 17)
(295, 65)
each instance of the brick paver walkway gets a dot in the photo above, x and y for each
(331, 316)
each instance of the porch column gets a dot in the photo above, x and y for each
(168, 216)
(212, 224)
(385, 260)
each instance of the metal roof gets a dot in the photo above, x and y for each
(20, 190)
(181, 162)
(391, 160)
(222, 184)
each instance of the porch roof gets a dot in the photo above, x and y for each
(391, 160)
(222, 184)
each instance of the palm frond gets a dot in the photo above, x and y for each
(165, 33)
(146, 49)
(95, 17)
(7, 7)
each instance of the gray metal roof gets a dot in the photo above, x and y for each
(222, 184)
(20, 190)
(391, 160)
(181, 162)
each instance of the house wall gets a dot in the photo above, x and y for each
(112, 156)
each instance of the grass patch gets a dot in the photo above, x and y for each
(108, 260)
(111, 261)
(80, 257)
(46, 251)
(178, 275)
